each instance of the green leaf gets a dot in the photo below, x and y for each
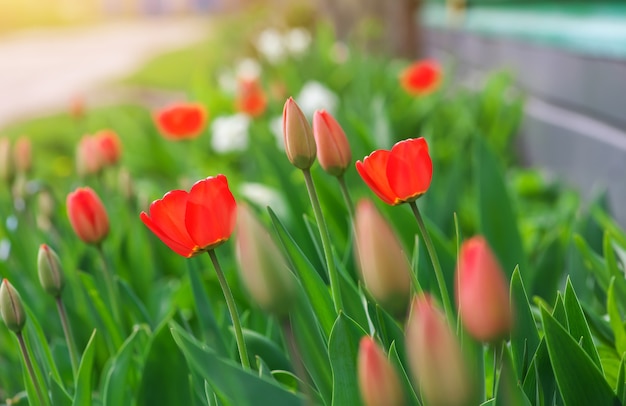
(580, 382)
(314, 287)
(233, 384)
(390, 333)
(165, 374)
(59, 396)
(524, 336)
(133, 306)
(577, 324)
(261, 346)
(343, 348)
(409, 392)
(620, 387)
(112, 329)
(118, 387)
(559, 312)
(82, 394)
(610, 364)
(497, 220)
(211, 333)
(508, 392)
(615, 318)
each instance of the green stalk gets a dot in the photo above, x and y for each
(69, 337)
(110, 286)
(321, 224)
(31, 370)
(232, 309)
(346, 196)
(430, 247)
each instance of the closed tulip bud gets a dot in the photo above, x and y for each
(109, 146)
(482, 292)
(437, 362)
(263, 268)
(333, 150)
(87, 215)
(378, 380)
(22, 155)
(11, 307)
(298, 136)
(6, 161)
(89, 159)
(384, 266)
(49, 270)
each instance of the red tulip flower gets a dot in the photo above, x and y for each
(333, 149)
(250, 98)
(181, 121)
(421, 78)
(87, 215)
(194, 222)
(400, 175)
(109, 146)
(379, 382)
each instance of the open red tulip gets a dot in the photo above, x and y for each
(194, 222)
(421, 78)
(181, 121)
(400, 175)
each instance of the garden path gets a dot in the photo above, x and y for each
(44, 70)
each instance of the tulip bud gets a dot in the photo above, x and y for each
(333, 150)
(6, 163)
(263, 268)
(384, 266)
(88, 157)
(298, 136)
(49, 269)
(435, 356)
(22, 155)
(378, 380)
(109, 146)
(482, 292)
(11, 307)
(87, 215)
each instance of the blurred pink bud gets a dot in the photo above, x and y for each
(436, 359)
(378, 380)
(89, 160)
(298, 135)
(109, 146)
(22, 154)
(87, 215)
(482, 292)
(333, 150)
(384, 266)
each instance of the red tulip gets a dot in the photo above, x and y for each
(250, 98)
(482, 292)
(333, 150)
(194, 222)
(400, 175)
(421, 78)
(88, 216)
(181, 121)
(109, 146)
(378, 380)
(89, 159)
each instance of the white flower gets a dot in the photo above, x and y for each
(297, 41)
(315, 96)
(270, 45)
(230, 133)
(276, 127)
(264, 196)
(248, 69)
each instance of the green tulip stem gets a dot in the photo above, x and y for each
(110, 285)
(346, 196)
(69, 337)
(232, 309)
(31, 370)
(321, 224)
(430, 247)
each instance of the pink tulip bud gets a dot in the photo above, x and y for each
(109, 146)
(437, 361)
(263, 268)
(22, 154)
(482, 292)
(87, 215)
(89, 160)
(299, 141)
(333, 150)
(378, 380)
(384, 266)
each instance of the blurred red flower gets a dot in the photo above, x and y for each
(194, 222)
(109, 146)
(181, 121)
(421, 78)
(400, 175)
(250, 97)
(87, 215)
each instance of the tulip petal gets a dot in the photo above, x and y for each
(167, 221)
(211, 212)
(373, 170)
(409, 169)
